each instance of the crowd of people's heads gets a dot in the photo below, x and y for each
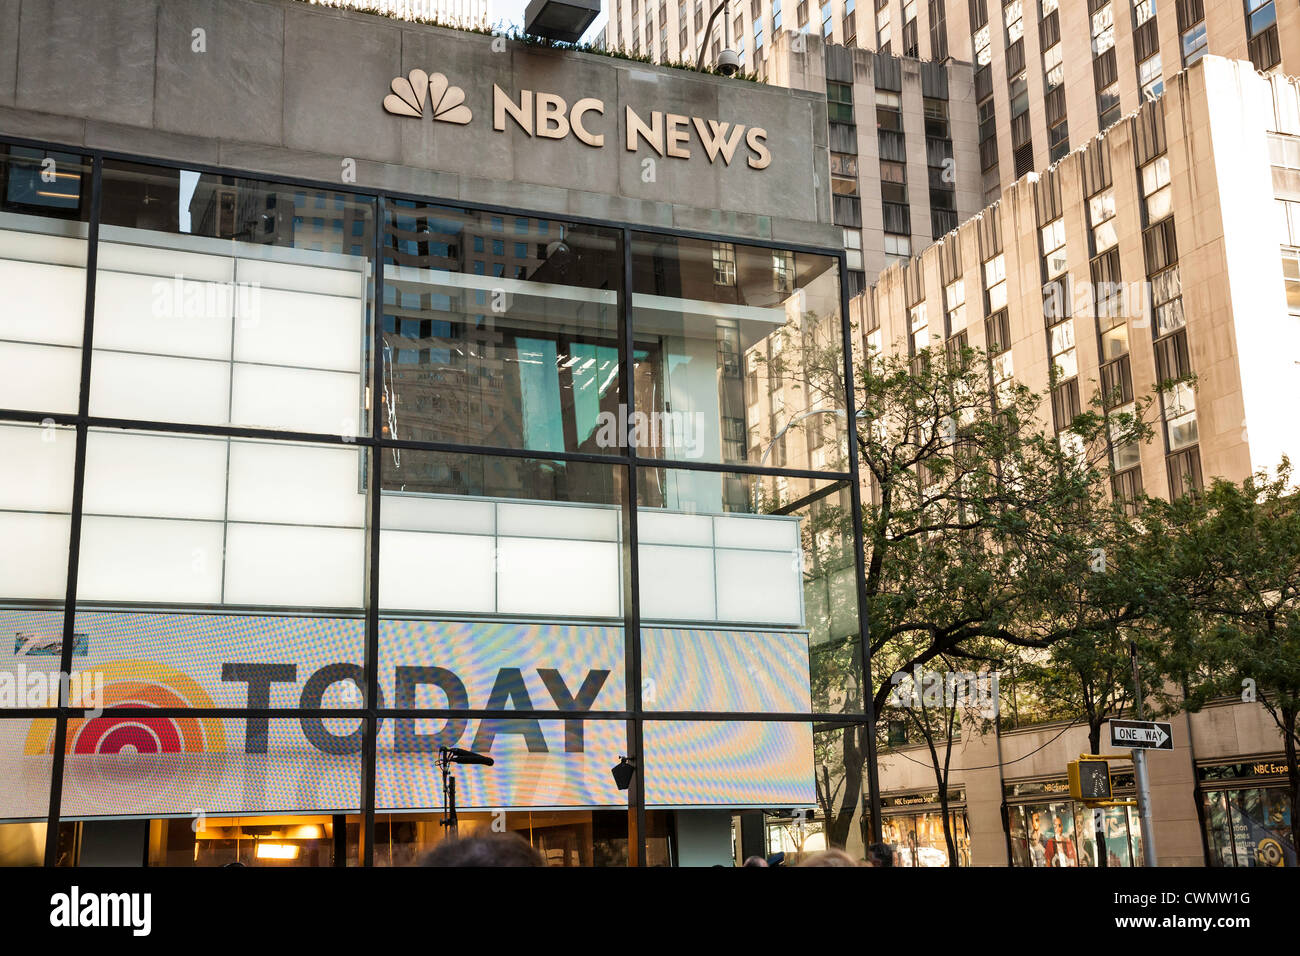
(510, 849)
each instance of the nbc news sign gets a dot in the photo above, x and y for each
(544, 115)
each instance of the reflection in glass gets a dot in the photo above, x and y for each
(500, 331)
(739, 354)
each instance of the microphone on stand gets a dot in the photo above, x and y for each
(457, 755)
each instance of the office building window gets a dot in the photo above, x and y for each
(1103, 30)
(897, 247)
(1143, 10)
(853, 248)
(844, 174)
(1101, 216)
(839, 102)
(1291, 277)
(1157, 192)
(1013, 18)
(724, 264)
(1194, 43)
(1150, 80)
(1053, 68)
(1065, 362)
(954, 299)
(1054, 259)
(919, 327)
(995, 283)
(980, 44)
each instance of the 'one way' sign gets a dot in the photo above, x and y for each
(1142, 734)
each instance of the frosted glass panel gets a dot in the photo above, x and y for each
(660, 527)
(564, 578)
(296, 484)
(42, 302)
(169, 315)
(43, 378)
(270, 283)
(558, 521)
(437, 572)
(33, 555)
(291, 566)
(296, 400)
(424, 513)
(677, 584)
(155, 476)
(299, 328)
(36, 467)
(153, 388)
(150, 560)
(761, 587)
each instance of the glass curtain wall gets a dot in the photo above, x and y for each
(336, 480)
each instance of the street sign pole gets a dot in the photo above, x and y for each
(1140, 773)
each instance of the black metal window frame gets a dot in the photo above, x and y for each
(627, 459)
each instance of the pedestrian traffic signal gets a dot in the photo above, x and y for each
(1089, 780)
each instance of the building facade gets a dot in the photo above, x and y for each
(1047, 76)
(1163, 250)
(366, 391)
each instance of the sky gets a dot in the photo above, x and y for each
(512, 12)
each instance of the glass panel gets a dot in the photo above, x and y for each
(123, 764)
(178, 530)
(214, 521)
(763, 571)
(279, 841)
(25, 795)
(222, 300)
(514, 348)
(44, 211)
(36, 465)
(539, 764)
(559, 837)
(724, 367)
(788, 770)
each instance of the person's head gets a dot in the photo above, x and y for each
(493, 849)
(755, 861)
(880, 854)
(828, 858)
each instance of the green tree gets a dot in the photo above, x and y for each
(1235, 619)
(979, 519)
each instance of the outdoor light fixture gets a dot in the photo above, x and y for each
(563, 20)
(623, 772)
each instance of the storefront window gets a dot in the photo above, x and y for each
(1064, 833)
(1248, 825)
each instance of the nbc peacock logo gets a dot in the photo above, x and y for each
(413, 91)
(134, 687)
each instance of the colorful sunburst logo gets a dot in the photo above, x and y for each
(129, 687)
